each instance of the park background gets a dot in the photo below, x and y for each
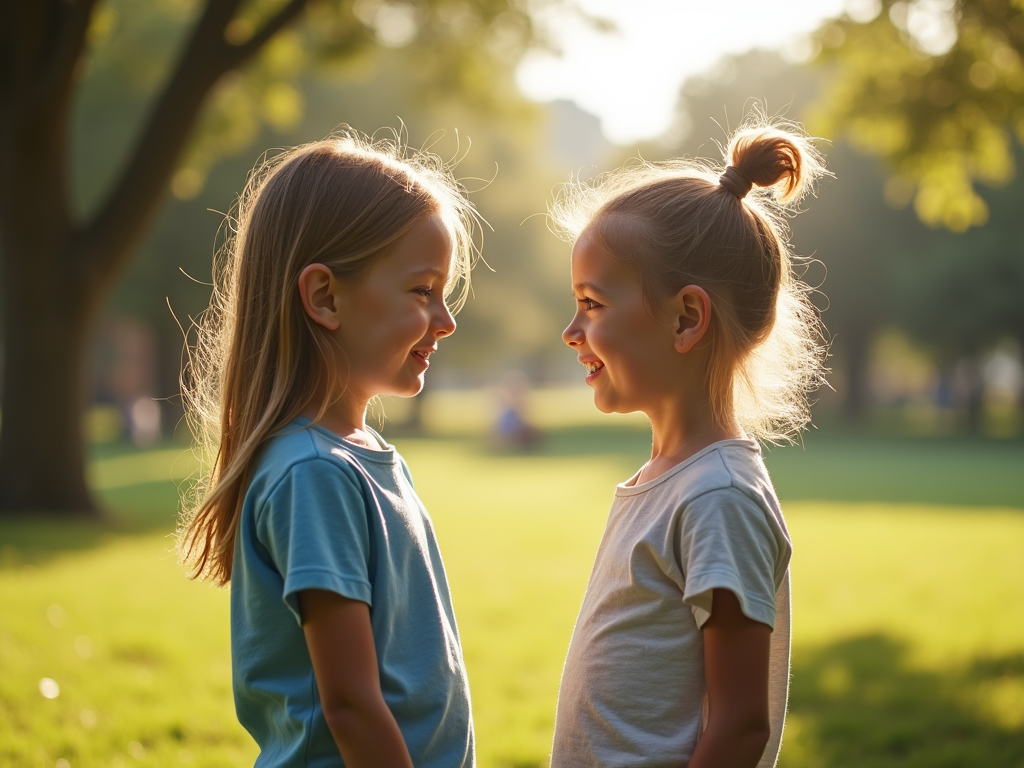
(905, 501)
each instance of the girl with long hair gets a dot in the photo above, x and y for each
(334, 291)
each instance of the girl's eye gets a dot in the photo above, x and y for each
(588, 304)
(424, 291)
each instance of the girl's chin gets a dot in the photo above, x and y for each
(410, 388)
(407, 388)
(609, 405)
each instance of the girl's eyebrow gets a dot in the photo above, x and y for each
(580, 288)
(429, 271)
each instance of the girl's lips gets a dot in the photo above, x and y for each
(420, 356)
(594, 367)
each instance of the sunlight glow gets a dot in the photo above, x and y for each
(49, 688)
(630, 78)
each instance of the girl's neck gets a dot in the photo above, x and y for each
(346, 418)
(680, 432)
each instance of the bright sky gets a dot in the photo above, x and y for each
(631, 78)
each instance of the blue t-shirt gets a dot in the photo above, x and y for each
(323, 513)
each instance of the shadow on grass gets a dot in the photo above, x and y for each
(127, 511)
(860, 703)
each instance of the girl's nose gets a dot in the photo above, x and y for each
(444, 323)
(573, 334)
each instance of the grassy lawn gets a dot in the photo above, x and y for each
(908, 589)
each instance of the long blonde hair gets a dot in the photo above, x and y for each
(682, 223)
(259, 360)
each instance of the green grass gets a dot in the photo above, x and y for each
(140, 657)
(908, 614)
(968, 472)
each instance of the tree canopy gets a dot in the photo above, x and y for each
(935, 88)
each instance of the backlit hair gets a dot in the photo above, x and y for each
(259, 359)
(687, 222)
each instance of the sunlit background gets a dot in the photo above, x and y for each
(629, 76)
(905, 500)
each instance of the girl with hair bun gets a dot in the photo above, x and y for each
(688, 310)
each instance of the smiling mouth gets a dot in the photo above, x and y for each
(593, 367)
(422, 354)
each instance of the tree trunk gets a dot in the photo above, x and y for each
(42, 441)
(49, 301)
(56, 271)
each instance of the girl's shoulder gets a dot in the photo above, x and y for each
(734, 467)
(743, 463)
(731, 489)
(723, 474)
(301, 449)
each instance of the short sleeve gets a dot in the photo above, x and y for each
(725, 542)
(314, 525)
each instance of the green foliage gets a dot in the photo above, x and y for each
(980, 271)
(882, 675)
(133, 48)
(130, 47)
(447, 49)
(943, 110)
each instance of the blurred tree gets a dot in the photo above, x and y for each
(935, 87)
(961, 294)
(222, 66)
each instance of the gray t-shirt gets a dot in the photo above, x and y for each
(632, 691)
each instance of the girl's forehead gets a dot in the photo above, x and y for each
(594, 266)
(590, 252)
(426, 246)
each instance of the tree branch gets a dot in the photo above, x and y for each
(58, 70)
(243, 51)
(107, 241)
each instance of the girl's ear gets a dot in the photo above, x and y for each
(318, 288)
(691, 310)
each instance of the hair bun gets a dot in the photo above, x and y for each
(770, 157)
(735, 182)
